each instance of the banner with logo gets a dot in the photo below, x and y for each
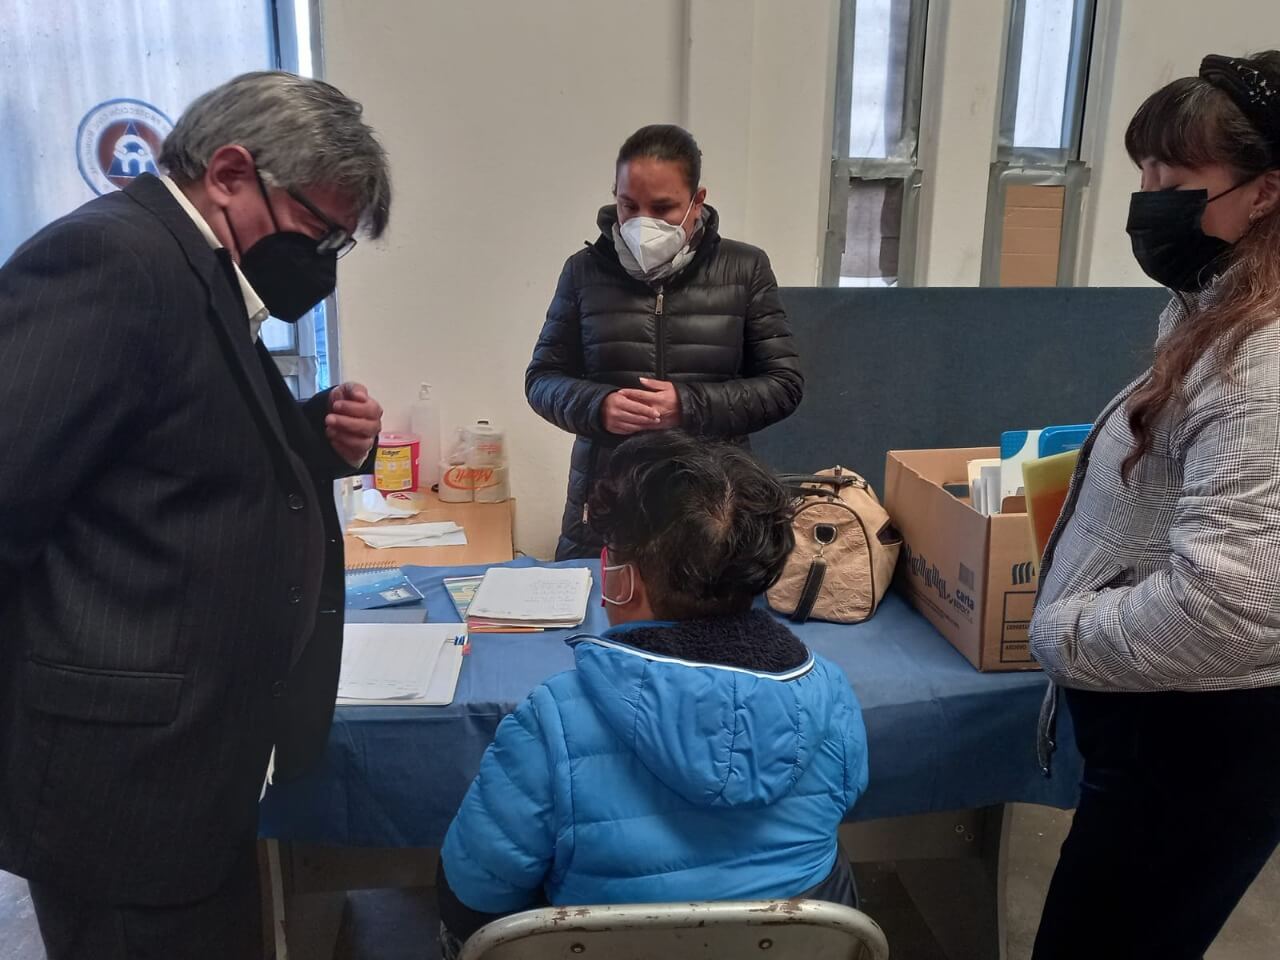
(92, 88)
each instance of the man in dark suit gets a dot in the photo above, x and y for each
(171, 587)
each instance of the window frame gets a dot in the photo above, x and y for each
(301, 361)
(1073, 176)
(902, 162)
(1043, 166)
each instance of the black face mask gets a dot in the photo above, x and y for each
(286, 270)
(1169, 241)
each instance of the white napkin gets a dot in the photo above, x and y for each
(443, 534)
(373, 506)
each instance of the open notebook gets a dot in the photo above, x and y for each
(550, 597)
(401, 664)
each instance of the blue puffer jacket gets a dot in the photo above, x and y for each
(644, 778)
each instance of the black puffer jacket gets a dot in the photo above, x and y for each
(717, 330)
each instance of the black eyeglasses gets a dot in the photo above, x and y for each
(337, 240)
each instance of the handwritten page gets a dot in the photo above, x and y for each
(399, 662)
(552, 596)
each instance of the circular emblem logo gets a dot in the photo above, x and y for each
(119, 140)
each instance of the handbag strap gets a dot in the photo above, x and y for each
(804, 483)
(809, 595)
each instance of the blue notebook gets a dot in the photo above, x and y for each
(374, 589)
(1056, 440)
(1016, 448)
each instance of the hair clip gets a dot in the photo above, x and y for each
(1254, 92)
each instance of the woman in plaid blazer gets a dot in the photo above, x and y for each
(1159, 610)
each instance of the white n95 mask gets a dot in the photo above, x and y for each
(654, 242)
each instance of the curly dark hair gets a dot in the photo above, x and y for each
(707, 526)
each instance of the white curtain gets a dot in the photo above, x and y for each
(61, 61)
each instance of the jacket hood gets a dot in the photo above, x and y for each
(719, 736)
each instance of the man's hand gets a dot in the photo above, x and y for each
(624, 415)
(662, 400)
(353, 423)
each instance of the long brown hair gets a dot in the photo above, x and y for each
(1192, 123)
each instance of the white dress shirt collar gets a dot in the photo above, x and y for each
(253, 304)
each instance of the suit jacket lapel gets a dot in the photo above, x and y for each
(228, 314)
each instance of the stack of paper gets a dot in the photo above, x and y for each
(401, 664)
(984, 486)
(462, 590)
(443, 534)
(554, 598)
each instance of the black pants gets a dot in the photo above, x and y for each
(1179, 811)
(226, 926)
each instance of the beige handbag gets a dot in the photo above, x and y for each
(845, 554)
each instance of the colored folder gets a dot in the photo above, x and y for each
(1047, 481)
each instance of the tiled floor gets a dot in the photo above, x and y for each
(400, 924)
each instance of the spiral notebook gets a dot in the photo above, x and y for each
(462, 590)
(377, 587)
(551, 597)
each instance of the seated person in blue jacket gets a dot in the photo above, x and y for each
(699, 751)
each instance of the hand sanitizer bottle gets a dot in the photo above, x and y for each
(424, 420)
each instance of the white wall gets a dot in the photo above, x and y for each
(1149, 43)
(502, 120)
(959, 123)
(793, 63)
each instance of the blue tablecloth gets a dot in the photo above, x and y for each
(942, 736)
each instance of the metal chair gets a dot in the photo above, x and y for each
(732, 930)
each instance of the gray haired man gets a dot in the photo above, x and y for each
(171, 587)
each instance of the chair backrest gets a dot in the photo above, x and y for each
(732, 930)
(949, 367)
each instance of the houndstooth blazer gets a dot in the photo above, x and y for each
(1172, 582)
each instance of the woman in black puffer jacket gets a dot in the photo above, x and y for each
(660, 323)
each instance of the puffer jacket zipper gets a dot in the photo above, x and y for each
(661, 359)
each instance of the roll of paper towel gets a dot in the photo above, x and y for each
(492, 484)
(486, 444)
(456, 485)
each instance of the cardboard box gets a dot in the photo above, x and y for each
(1031, 235)
(972, 577)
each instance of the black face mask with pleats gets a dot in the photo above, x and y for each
(1169, 241)
(287, 272)
(286, 268)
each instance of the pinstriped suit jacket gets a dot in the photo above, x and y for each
(1172, 582)
(170, 559)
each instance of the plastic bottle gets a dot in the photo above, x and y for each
(398, 464)
(424, 421)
